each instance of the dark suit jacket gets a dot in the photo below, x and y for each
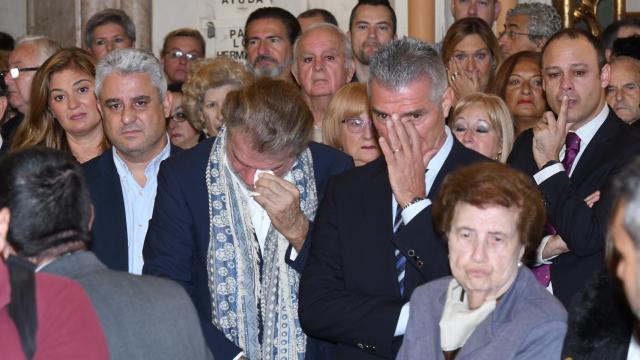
(109, 231)
(349, 292)
(178, 237)
(527, 323)
(8, 130)
(143, 317)
(581, 227)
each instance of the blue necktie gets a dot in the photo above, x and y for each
(401, 261)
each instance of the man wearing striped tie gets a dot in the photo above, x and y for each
(373, 242)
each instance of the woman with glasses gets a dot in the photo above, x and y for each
(347, 124)
(63, 112)
(471, 53)
(207, 86)
(519, 83)
(482, 123)
(180, 49)
(181, 133)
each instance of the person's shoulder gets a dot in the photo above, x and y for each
(325, 153)
(534, 302)
(185, 159)
(97, 163)
(56, 290)
(429, 295)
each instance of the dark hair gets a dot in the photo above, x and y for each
(7, 42)
(385, 3)
(49, 202)
(326, 15)
(610, 33)
(506, 69)
(109, 16)
(273, 125)
(287, 19)
(175, 87)
(22, 304)
(488, 184)
(184, 32)
(574, 34)
(629, 46)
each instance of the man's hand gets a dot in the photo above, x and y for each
(592, 199)
(549, 135)
(281, 200)
(405, 161)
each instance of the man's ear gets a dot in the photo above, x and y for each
(605, 75)
(167, 102)
(447, 101)
(5, 247)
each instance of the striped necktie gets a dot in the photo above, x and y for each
(401, 261)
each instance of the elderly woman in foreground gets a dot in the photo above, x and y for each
(492, 307)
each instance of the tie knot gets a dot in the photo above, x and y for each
(573, 141)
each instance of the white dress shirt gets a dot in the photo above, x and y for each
(138, 203)
(433, 168)
(634, 348)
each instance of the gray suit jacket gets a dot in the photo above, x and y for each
(527, 323)
(143, 317)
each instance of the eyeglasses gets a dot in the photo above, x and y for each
(15, 72)
(356, 125)
(178, 117)
(512, 34)
(177, 54)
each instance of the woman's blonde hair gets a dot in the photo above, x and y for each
(351, 100)
(208, 74)
(498, 114)
(40, 126)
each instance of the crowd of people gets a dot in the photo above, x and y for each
(338, 195)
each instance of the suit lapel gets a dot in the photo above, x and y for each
(596, 152)
(114, 202)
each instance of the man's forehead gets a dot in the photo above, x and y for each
(327, 37)
(266, 27)
(563, 49)
(372, 13)
(122, 85)
(26, 54)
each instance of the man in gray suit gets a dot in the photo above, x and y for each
(50, 217)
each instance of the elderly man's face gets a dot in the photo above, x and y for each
(627, 268)
(515, 37)
(372, 27)
(23, 56)
(623, 92)
(268, 48)
(570, 68)
(134, 115)
(412, 105)
(487, 10)
(108, 37)
(244, 160)
(484, 249)
(320, 63)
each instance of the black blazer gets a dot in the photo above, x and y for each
(177, 240)
(349, 293)
(583, 229)
(109, 232)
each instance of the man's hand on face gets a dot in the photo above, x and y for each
(549, 135)
(281, 200)
(405, 161)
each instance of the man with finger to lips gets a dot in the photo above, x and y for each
(573, 153)
(373, 242)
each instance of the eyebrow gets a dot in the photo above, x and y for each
(74, 84)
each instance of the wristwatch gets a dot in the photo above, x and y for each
(415, 200)
(552, 162)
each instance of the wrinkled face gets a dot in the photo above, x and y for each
(484, 248)
(320, 64)
(412, 105)
(627, 268)
(570, 68)
(475, 57)
(623, 92)
(372, 27)
(524, 95)
(73, 102)
(487, 10)
(211, 105)
(308, 21)
(359, 139)
(134, 115)
(515, 36)
(182, 51)
(180, 131)
(23, 56)
(244, 160)
(109, 37)
(268, 48)
(473, 128)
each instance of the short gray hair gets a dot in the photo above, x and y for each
(46, 46)
(109, 16)
(544, 20)
(402, 62)
(344, 41)
(129, 61)
(626, 188)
